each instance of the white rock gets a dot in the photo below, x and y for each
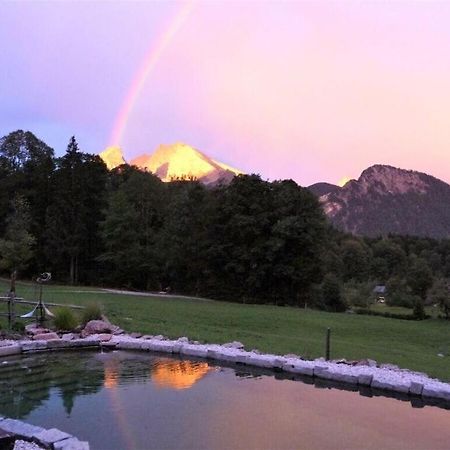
(365, 379)
(299, 367)
(10, 350)
(21, 428)
(30, 346)
(194, 350)
(416, 388)
(71, 444)
(49, 437)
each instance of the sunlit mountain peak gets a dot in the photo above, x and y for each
(180, 161)
(112, 157)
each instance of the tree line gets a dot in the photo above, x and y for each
(249, 241)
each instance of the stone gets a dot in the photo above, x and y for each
(343, 377)
(10, 350)
(389, 367)
(265, 361)
(365, 379)
(88, 342)
(299, 368)
(367, 362)
(97, 327)
(102, 337)
(49, 437)
(25, 445)
(22, 429)
(416, 388)
(136, 335)
(432, 390)
(183, 340)
(320, 370)
(60, 343)
(68, 336)
(135, 344)
(45, 336)
(32, 346)
(158, 346)
(194, 350)
(33, 329)
(235, 344)
(71, 444)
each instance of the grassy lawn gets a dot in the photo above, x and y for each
(409, 344)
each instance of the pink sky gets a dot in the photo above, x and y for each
(313, 91)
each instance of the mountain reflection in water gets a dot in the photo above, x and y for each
(164, 372)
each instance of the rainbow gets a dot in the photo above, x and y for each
(149, 63)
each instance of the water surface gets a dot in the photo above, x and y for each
(126, 400)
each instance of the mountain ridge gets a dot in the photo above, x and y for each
(389, 200)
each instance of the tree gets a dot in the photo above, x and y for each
(130, 231)
(440, 294)
(420, 278)
(72, 220)
(332, 295)
(355, 259)
(16, 248)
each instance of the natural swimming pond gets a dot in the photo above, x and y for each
(126, 400)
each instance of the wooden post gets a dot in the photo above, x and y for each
(327, 344)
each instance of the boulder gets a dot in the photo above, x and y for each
(49, 437)
(71, 444)
(33, 329)
(68, 336)
(300, 368)
(416, 388)
(45, 337)
(367, 362)
(97, 327)
(21, 429)
(10, 350)
(194, 350)
(235, 344)
(365, 379)
(32, 346)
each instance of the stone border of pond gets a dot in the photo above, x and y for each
(53, 438)
(386, 378)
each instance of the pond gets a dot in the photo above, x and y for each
(125, 400)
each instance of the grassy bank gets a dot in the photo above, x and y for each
(409, 344)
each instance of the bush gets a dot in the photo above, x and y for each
(65, 319)
(19, 327)
(389, 315)
(91, 312)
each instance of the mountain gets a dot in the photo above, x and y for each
(320, 189)
(112, 157)
(386, 200)
(177, 162)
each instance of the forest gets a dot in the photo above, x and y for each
(249, 241)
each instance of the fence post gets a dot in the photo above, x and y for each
(327, 344)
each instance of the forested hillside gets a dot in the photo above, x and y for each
(246, 241)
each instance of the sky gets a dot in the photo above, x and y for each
(313, 91)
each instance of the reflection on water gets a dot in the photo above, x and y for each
(169, 373)
(125, 400)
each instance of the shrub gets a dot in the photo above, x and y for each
(65, 319)
(91, 312)
(19, 327)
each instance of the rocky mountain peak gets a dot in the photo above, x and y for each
(387, 200)
(112, 157)
(178, 161)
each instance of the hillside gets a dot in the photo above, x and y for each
(386, 200)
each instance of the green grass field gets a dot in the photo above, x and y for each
(409, 344)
